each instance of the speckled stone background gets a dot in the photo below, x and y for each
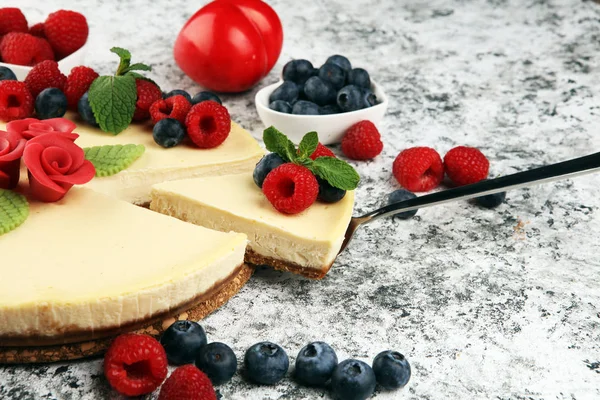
(501, 304)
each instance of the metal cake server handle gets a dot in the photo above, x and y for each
(548, 173)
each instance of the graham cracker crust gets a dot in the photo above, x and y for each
(254, 258)
(27, 350)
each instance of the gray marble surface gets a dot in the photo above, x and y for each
(501, 304)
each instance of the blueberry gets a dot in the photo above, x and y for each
(329, 109)
(217, 361)
(303, 107)
(315, 364)
(281, 106)
(319, 91)
(85, 110)
(178, 92)
(6, 74)
(182, 341)
(392, 370)
(340, 61)
(328, 193)
(168, 132)
(51, 103)
(359, 77)
(491, 200)
(287, 91)
(352, 380)
(298, 71)
(203, 96)
(334, 74)
(350, 98)
(266, 164)
(368, 98)
(401, 195)
(266, 363)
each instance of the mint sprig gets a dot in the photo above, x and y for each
(113, 98)
(336, 172)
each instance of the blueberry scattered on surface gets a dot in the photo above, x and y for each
(281, 106)
(168, 132)
(353, 380)
(369, 98)
(85, 110)
(176, 92)
(319, 91)
(303, 107)
(182, 341)
(391, 369)
(50, 103)
(328, 193)
(298, 71)
(340, 61)
(266, 363)
(206, 95)
(334, 74)
(350, 98)
(491, 200)
(401, 195)
(266, 164)
(6, 74)
(315, 364)
(287, 91)
(217, 361)
(329, 109)
(359, 77)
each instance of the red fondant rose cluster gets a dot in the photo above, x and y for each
(54, 162)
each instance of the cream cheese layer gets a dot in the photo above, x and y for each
(227, 203)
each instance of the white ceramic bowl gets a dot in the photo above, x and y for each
(330, 128)
(65, 65)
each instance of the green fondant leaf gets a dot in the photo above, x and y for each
(14, 210)
(113, 101)
(109, 160)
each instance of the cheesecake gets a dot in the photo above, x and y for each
(91, 266)
(306, 243)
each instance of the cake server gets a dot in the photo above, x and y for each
(548, 173)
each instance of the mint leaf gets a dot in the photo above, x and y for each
(139, 67)
(337, 172)
(308, 144)
(277, 142)
(140, 76)
(14, 210)
(109, 160)
(112, 99)
(125, 57)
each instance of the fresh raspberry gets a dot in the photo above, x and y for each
(135, 364)
(147, 93)
(66, 31)
(78, 82)
(16, 102)
(12, 20)
(291, 188)
(37, 30)
(43, 76)
(466, 165)
(23, 49)
(419, 169)
(188, 383)
(362, 141)
(321, 151)
(176, 107)
(208, 124)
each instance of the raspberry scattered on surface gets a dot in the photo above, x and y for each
(176, 107)
(67, 31)
(362, 141)
(135, 364)
(189, 383)
(37, 30)
(321, 151)
(291, 188)
(147, 93)
(12, 20)
(466, 165)
(208, 124)
(16, 102)
(24, 49)
(78, 82)
(418, 169)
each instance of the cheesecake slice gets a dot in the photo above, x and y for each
(306, 243)
(91, 266)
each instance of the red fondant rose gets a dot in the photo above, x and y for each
(54, 164)
(11, 151)
(31, 127)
